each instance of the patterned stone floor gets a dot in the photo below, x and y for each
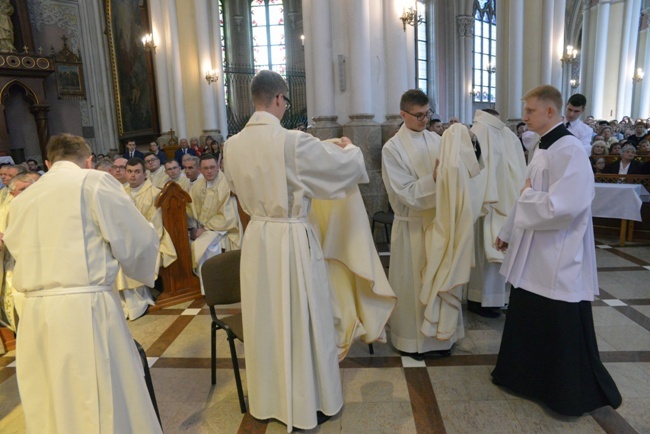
(386, 393)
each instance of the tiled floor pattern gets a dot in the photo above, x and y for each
(388, 393)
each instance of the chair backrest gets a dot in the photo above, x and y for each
(220, 276)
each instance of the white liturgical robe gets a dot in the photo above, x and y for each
(158, 178)
(449, 239)
(69, 233)
(408, 160)
(290, 340)
(495, 189)
(550, 234)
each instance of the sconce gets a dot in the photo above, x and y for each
(491, 68)
(147, 41)
(211, 76)
(570, 55)
(411, 17)
(574, 83)
(638, 76)
(302, 40)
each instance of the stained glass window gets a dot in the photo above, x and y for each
(485, 50)
(421, 44)
(267, 27)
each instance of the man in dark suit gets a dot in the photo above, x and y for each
(131, 152)
(184, 149)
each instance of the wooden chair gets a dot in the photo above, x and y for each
(220, 276)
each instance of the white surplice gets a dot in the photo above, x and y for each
(496, 189)
(77, 366)
(449, 239)
(289, 336)
(158, 178)
(408, 160)
(550, 234)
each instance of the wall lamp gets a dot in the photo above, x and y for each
(147, 41)
(211, 76)
(411, 17)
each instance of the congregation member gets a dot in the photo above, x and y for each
(497, 188)
(174, 173)
(608, 137)
(118, 170)
(574, 108)
(104, 165)
(284, 282)
(155, 148)
(135, 295)
(184, 149)
(409, 165)
(131, 151)
(191, 168)
(640, 134)
(194, 145)
(7, 173)
(155, 171)
(214, 224)
(435, 126)
(627, 165)
(94, 382)
(548, 349)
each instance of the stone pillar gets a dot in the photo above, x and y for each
(204, 54)
(547, 42)
(359, 62)
(175, 73)
(396, 67)
(626, 59)
(644, 106)
(600, 59)
(515, 59)
(160, 33)
(366, 134)
(586, 43)
(557, 47)
(217, 63)
(318, 35)
(465, 27)
(390, 127)
(40, 116)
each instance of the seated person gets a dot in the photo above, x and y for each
(598, 149)
(615, 149)
(643, 148)
(191, 168)
(173, 171)
(155, 172)
(627, 165)
(136, 297)
(599, 165)
(155, 148)
(214, 219)
(118, 170)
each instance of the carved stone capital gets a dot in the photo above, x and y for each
(465, 26)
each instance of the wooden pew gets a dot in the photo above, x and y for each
(179, 281)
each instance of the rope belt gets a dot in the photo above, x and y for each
(67, 291)
(280, 219)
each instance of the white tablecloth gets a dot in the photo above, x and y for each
(619, 201)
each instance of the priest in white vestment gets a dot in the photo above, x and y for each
(155, 170)
(136, 296)
(174, 173)
(496, 189)
(289, 335)
(214, 225)
(409, 165)
(77, 366)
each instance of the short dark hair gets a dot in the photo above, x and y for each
(492, 112)
(135, 161)
(577, 100)
(208, 156)
(67, 147)
(521, 124)
(413, 97)
(266, 85)
(151, 153)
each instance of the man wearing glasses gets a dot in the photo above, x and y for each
(409, 168)
(173, 171)
(155, 171)
(119, 171)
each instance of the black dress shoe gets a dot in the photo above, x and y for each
(487, 312)
(322, 417)
(415, 356)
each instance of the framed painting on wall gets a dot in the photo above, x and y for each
(131, 68)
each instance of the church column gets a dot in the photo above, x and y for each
(204, 54)
(515, 59)
(465, 26)
(600, 59)
(557, 45)
(397, 66)
(644, 107)
(585, 72)
(217, 64)
(174, 71)
(318, 37)
(163, 91)
(40, 116)
(362, 130)
(627, 56)
(547, 42)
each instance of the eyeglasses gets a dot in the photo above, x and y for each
(287, 100)
(150, 160)
(119, 167)
(421, 116)
(169, 169)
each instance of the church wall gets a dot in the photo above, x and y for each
(642, 53)
(340, 47)
(588, 58)
(532, 45)
(189, 67)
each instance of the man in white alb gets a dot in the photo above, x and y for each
(574, 108)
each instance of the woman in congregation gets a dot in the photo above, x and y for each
(627, 165)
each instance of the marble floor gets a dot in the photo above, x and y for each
(386, 393)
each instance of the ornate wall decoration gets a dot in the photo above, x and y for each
(465, 26)
(64, 15)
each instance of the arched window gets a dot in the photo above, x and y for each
(267, 27)
(485, 49)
